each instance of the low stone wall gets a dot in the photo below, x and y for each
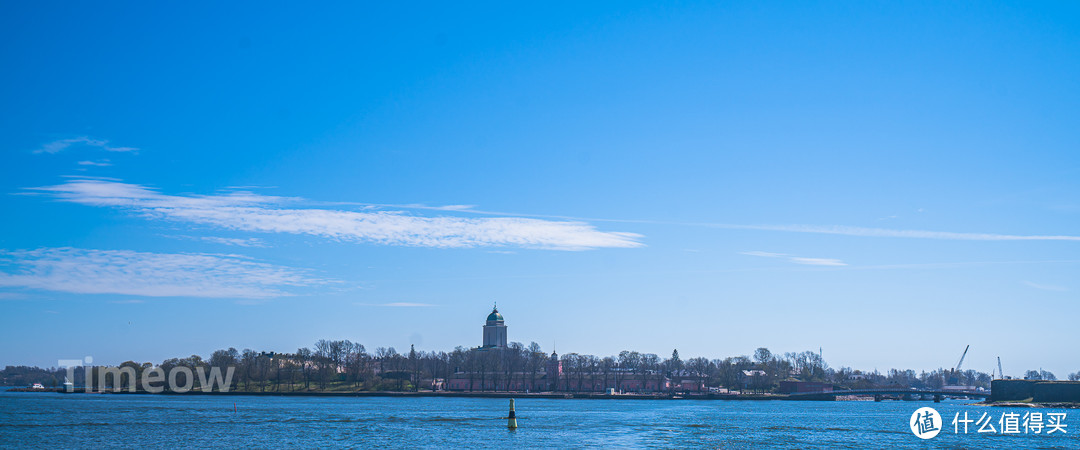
(1011, 390)
(1057, 391)
(1038, 391)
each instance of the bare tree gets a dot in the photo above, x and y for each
(535, 360)
(651, 366)
(631, 361)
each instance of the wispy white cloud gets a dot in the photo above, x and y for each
(249, 187)
(442, 208)
(239, 242)
(891, 233)
(1046, 287)
(960, 264)
(763, 254)
(99, 163)
(85, 271)
(817, 229)
(252, 212)
(798, 259)
(817, 261)
(63, 144)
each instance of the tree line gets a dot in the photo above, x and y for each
(342, 365)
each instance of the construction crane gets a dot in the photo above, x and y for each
(1001, 373)
(962, 358)
(954, 375)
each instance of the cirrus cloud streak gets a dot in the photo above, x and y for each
(891, 233)
(125, 272)
(798, 259)
(60, 145)
(245, 211)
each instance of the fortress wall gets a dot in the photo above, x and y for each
(1057, 391)
(1039, 391)
(1011, 390)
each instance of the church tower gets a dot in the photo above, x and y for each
(495, 330)
(554, 373)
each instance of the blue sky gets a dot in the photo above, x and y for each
(886, 181)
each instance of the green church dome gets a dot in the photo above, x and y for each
(494, 315)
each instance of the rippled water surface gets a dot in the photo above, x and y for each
(91, 420)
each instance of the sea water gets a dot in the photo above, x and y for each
(130, 420)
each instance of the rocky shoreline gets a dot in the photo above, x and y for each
(1063, 405)
(550, 395)
(553, 395)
